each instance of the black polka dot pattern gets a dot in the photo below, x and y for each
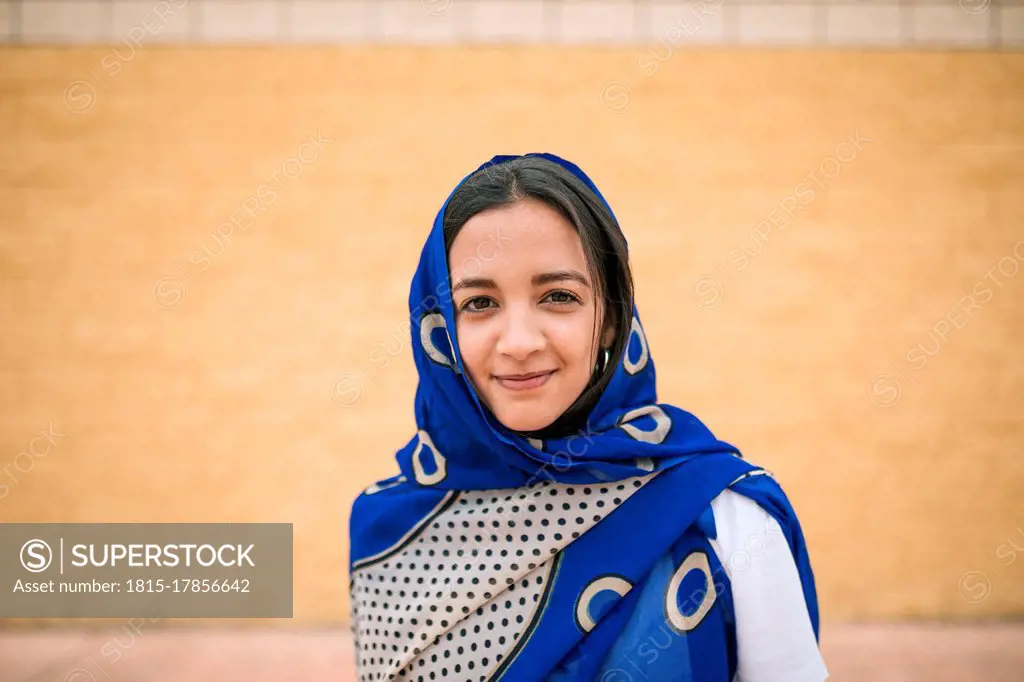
(455, 601)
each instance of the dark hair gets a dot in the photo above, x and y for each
(604, 246)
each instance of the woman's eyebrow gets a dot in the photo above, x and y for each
(474, 283)
(538, 280)
(560, 276)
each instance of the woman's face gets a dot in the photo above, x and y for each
(525, 312)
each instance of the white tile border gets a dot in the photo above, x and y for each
(64, 21)
(152, 21)
(598, 22)
(1012, 27)
(950, 26)
(508, 21)
(921, 24)
(777, 24)
(423, 22)
(864, 25)
(6, 17)
(240, 21)
(333, 21)
(686, 22)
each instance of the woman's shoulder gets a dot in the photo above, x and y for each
(742, 527)
(750, 517)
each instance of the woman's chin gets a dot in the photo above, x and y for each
(518, 420)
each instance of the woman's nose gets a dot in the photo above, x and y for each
(521, 335)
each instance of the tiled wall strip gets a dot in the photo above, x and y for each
(960, 24)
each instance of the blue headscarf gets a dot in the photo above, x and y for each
(657, 466)
(627, 429)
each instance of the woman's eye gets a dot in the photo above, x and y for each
(473, 305)
(563, 297)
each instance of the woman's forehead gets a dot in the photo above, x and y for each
(522, 239)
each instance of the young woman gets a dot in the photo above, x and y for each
(552, 520)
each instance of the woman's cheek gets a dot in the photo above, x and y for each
(472, 346)
(575, 338)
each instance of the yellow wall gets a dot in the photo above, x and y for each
(221, 408)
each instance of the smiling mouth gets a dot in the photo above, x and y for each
(524, 382)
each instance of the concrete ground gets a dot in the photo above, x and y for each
(853, 653)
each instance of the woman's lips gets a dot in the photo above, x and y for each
(530, 381)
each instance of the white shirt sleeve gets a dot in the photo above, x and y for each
(774, 637)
